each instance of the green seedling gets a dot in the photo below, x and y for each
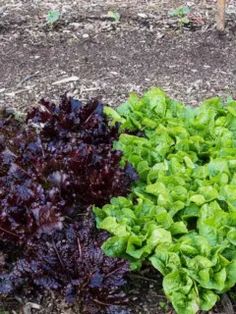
(163, 306)
(114, 15)
(53, 17)
(181, 13)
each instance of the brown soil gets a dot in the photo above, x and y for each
(111, 59)
(106, 59)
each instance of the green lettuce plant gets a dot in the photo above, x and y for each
(181, 214)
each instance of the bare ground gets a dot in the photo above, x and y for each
(111, 59)
(108, 60)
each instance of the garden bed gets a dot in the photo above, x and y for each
(104, 59)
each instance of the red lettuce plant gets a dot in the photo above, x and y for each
(52, 169)
(59, 163)
(71, 261)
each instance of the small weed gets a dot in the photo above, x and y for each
(163, 306)
(53, 17)
(114, 15)
(181, 13)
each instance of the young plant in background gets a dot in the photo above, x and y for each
(181, 13)
(53, 17)
(114, 16)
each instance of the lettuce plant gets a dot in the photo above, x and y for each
(181, 214)
(59, 163)
(70, 261)
(52, 169)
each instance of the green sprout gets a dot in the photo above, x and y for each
(114, 15)
(53, 16)
(181, 13)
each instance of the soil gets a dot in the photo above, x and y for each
(88, 55)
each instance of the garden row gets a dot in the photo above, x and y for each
(158, 176)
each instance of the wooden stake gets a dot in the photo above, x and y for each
(220, 19)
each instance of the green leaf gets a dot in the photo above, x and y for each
(159, 236)
(198, 199)
(180, 11)
(177, 281)
(163, 218)
(231, 275)
(134, 247)
(115, 246)
(110, 224)
(180, 289)
(218, 166)
(156, 99)
(209, 193)
(164, 260)
(178, 227)
(113, 114)
(207, 299)
(189, 163)
(143, 169)
(231, 236)
(185, 20)
(231, 106)
(114, 15)
(53, 16)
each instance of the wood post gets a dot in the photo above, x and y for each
(220, 18)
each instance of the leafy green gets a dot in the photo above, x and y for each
(180, 11)
(181, 214)
(114, 15)
(53, 16)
